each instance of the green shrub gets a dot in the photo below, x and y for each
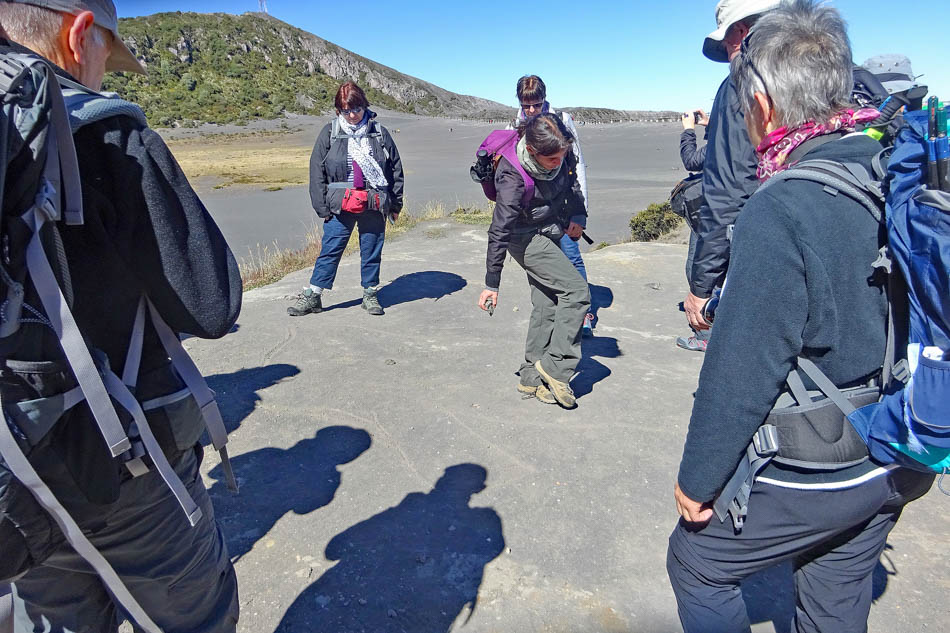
(653, 222)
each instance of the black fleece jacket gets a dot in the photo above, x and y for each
(692, 158)
(553, 201)
(145, 231)
(800, 283)
(728, 181)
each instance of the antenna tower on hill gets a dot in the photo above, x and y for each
(263, 5)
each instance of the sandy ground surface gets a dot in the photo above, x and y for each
(629, 166)
(393, 480)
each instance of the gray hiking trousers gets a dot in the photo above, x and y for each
(560, 298)
(181, 575)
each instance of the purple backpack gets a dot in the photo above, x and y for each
(502, 143)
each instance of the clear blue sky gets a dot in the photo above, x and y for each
(625, 55)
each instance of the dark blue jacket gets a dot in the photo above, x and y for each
(728, 181)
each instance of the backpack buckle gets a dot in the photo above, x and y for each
(765, 440)
(883, 260)
(43, 202)
(901, 371)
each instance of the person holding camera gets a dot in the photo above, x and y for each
(356, 180)
(531, 231)
(692, 157)
(829, 510)
(532, 99)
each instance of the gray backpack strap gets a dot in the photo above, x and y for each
(850, 179)
(734, 497)
(198, 386)
(86, 106)
(72, 342)
(827, 387)
(21, 468)
(124, 397)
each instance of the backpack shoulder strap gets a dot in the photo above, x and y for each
(87, 106)
(851, 179)
(510, 153)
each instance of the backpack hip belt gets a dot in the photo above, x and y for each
(806, 430)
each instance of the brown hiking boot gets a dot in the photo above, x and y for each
(540, 392)
(559, 389)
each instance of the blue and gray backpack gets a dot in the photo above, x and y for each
(902, 417)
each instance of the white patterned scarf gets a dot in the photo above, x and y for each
(358, 147)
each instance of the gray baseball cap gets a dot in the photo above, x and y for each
(728, 12)
(104, 13)
(893, 71)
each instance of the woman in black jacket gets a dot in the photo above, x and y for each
(530, 230)
(355, 180)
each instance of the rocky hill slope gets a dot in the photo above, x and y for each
(230, 68)
(223, 68)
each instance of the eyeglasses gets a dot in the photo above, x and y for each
(358, 110)
(532, 106)
(747, 59)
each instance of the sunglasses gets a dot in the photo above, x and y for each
(534, 106)
(358, 110)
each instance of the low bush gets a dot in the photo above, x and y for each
(653, 222)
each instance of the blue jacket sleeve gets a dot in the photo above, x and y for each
(728, 181)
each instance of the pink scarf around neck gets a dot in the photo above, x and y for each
(775, 148)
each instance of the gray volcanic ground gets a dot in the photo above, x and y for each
(629, 166)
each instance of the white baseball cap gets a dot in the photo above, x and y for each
(728, 12)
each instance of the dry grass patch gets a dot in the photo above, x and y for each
(255, 159)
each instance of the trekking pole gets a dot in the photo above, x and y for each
(943, 150)
(933, 180)
(587, 239)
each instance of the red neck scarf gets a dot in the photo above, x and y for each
(775, 148)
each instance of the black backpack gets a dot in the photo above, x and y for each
(686, 199)
(52, 446)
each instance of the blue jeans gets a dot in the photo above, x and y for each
(336, 233)
(572, 249)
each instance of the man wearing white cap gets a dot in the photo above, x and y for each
(729, 170)
(145, 233)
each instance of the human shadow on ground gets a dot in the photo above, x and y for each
(427, 284)
(600, 297)
(770, 594)
(414, 567)
(236, 392)
(275, 481)
(590, 371)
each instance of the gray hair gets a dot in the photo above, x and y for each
(37, 27)
(800, 56)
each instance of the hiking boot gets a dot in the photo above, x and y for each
(308, 302)
(691, 343)
(540, 392)
(559, 389)
(371, 302)
(588, 328)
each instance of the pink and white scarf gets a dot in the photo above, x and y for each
(775, 148)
